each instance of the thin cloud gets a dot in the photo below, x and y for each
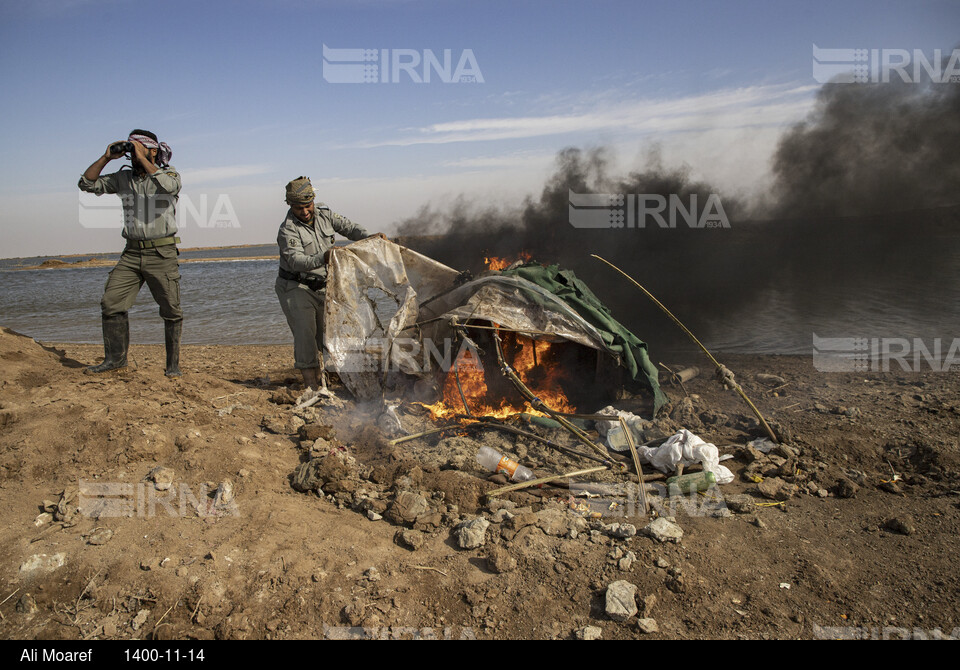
(510, 160)
(730, 108)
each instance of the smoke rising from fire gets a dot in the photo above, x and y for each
(871, 149)
(864, 190)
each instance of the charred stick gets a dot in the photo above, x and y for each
(542, 480)
(549, 443)
(407, 438)
(537, 402)
(456, 372)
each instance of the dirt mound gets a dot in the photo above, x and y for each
(136, 506)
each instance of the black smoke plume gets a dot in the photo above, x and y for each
(865, 194)
(871, 149)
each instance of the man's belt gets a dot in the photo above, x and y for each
(314, 282)
(150, 244)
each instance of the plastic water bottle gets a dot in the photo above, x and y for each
(695, 481)
(494, 461)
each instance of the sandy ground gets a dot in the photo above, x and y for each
(853, 530)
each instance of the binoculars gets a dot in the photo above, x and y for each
(121, 148)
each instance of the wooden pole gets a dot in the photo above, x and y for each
(636, 464)
(693, 337)
(542, 480)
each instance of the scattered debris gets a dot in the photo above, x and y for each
(621, 530)
(99, 536)
(224, 495)
(140, 619)
(500, 561)
(407, 507)
(901, 525)
(27, 605)
(648, 626)
(411, 539)
(846, 488)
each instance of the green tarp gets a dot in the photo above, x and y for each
(565, 285)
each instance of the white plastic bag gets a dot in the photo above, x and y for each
(686, 448)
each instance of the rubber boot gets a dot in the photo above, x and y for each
(171, 338)
(116, 341)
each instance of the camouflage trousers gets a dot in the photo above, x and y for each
(304, 311)
(158, 268)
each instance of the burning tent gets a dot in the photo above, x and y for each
(394, 316)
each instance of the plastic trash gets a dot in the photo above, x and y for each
(695, 481)
(389, 420)
(762, 444)
(686, 448)
(494, 461)
(613, 431)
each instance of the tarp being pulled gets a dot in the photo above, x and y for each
(388, 308)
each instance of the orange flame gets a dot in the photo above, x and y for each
(496, 263)
(544, 384)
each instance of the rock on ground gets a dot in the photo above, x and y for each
(648, 626)
(590, 633)
(472, 534)
(621, 601)
(500, 561)
(663, 530)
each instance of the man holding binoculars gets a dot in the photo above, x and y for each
(148, 190)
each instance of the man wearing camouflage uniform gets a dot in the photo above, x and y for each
(148, 191)
(305, 238)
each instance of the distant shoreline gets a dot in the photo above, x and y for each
(97, 253)
(54, 264)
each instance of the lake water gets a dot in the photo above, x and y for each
(225, 302)
(233, 302)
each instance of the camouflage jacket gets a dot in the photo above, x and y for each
(149, 202)
(303, 245)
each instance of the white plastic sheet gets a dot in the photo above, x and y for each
(386, 306)
(374, 288)
(686, 448)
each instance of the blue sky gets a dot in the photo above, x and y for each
(237, 90)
